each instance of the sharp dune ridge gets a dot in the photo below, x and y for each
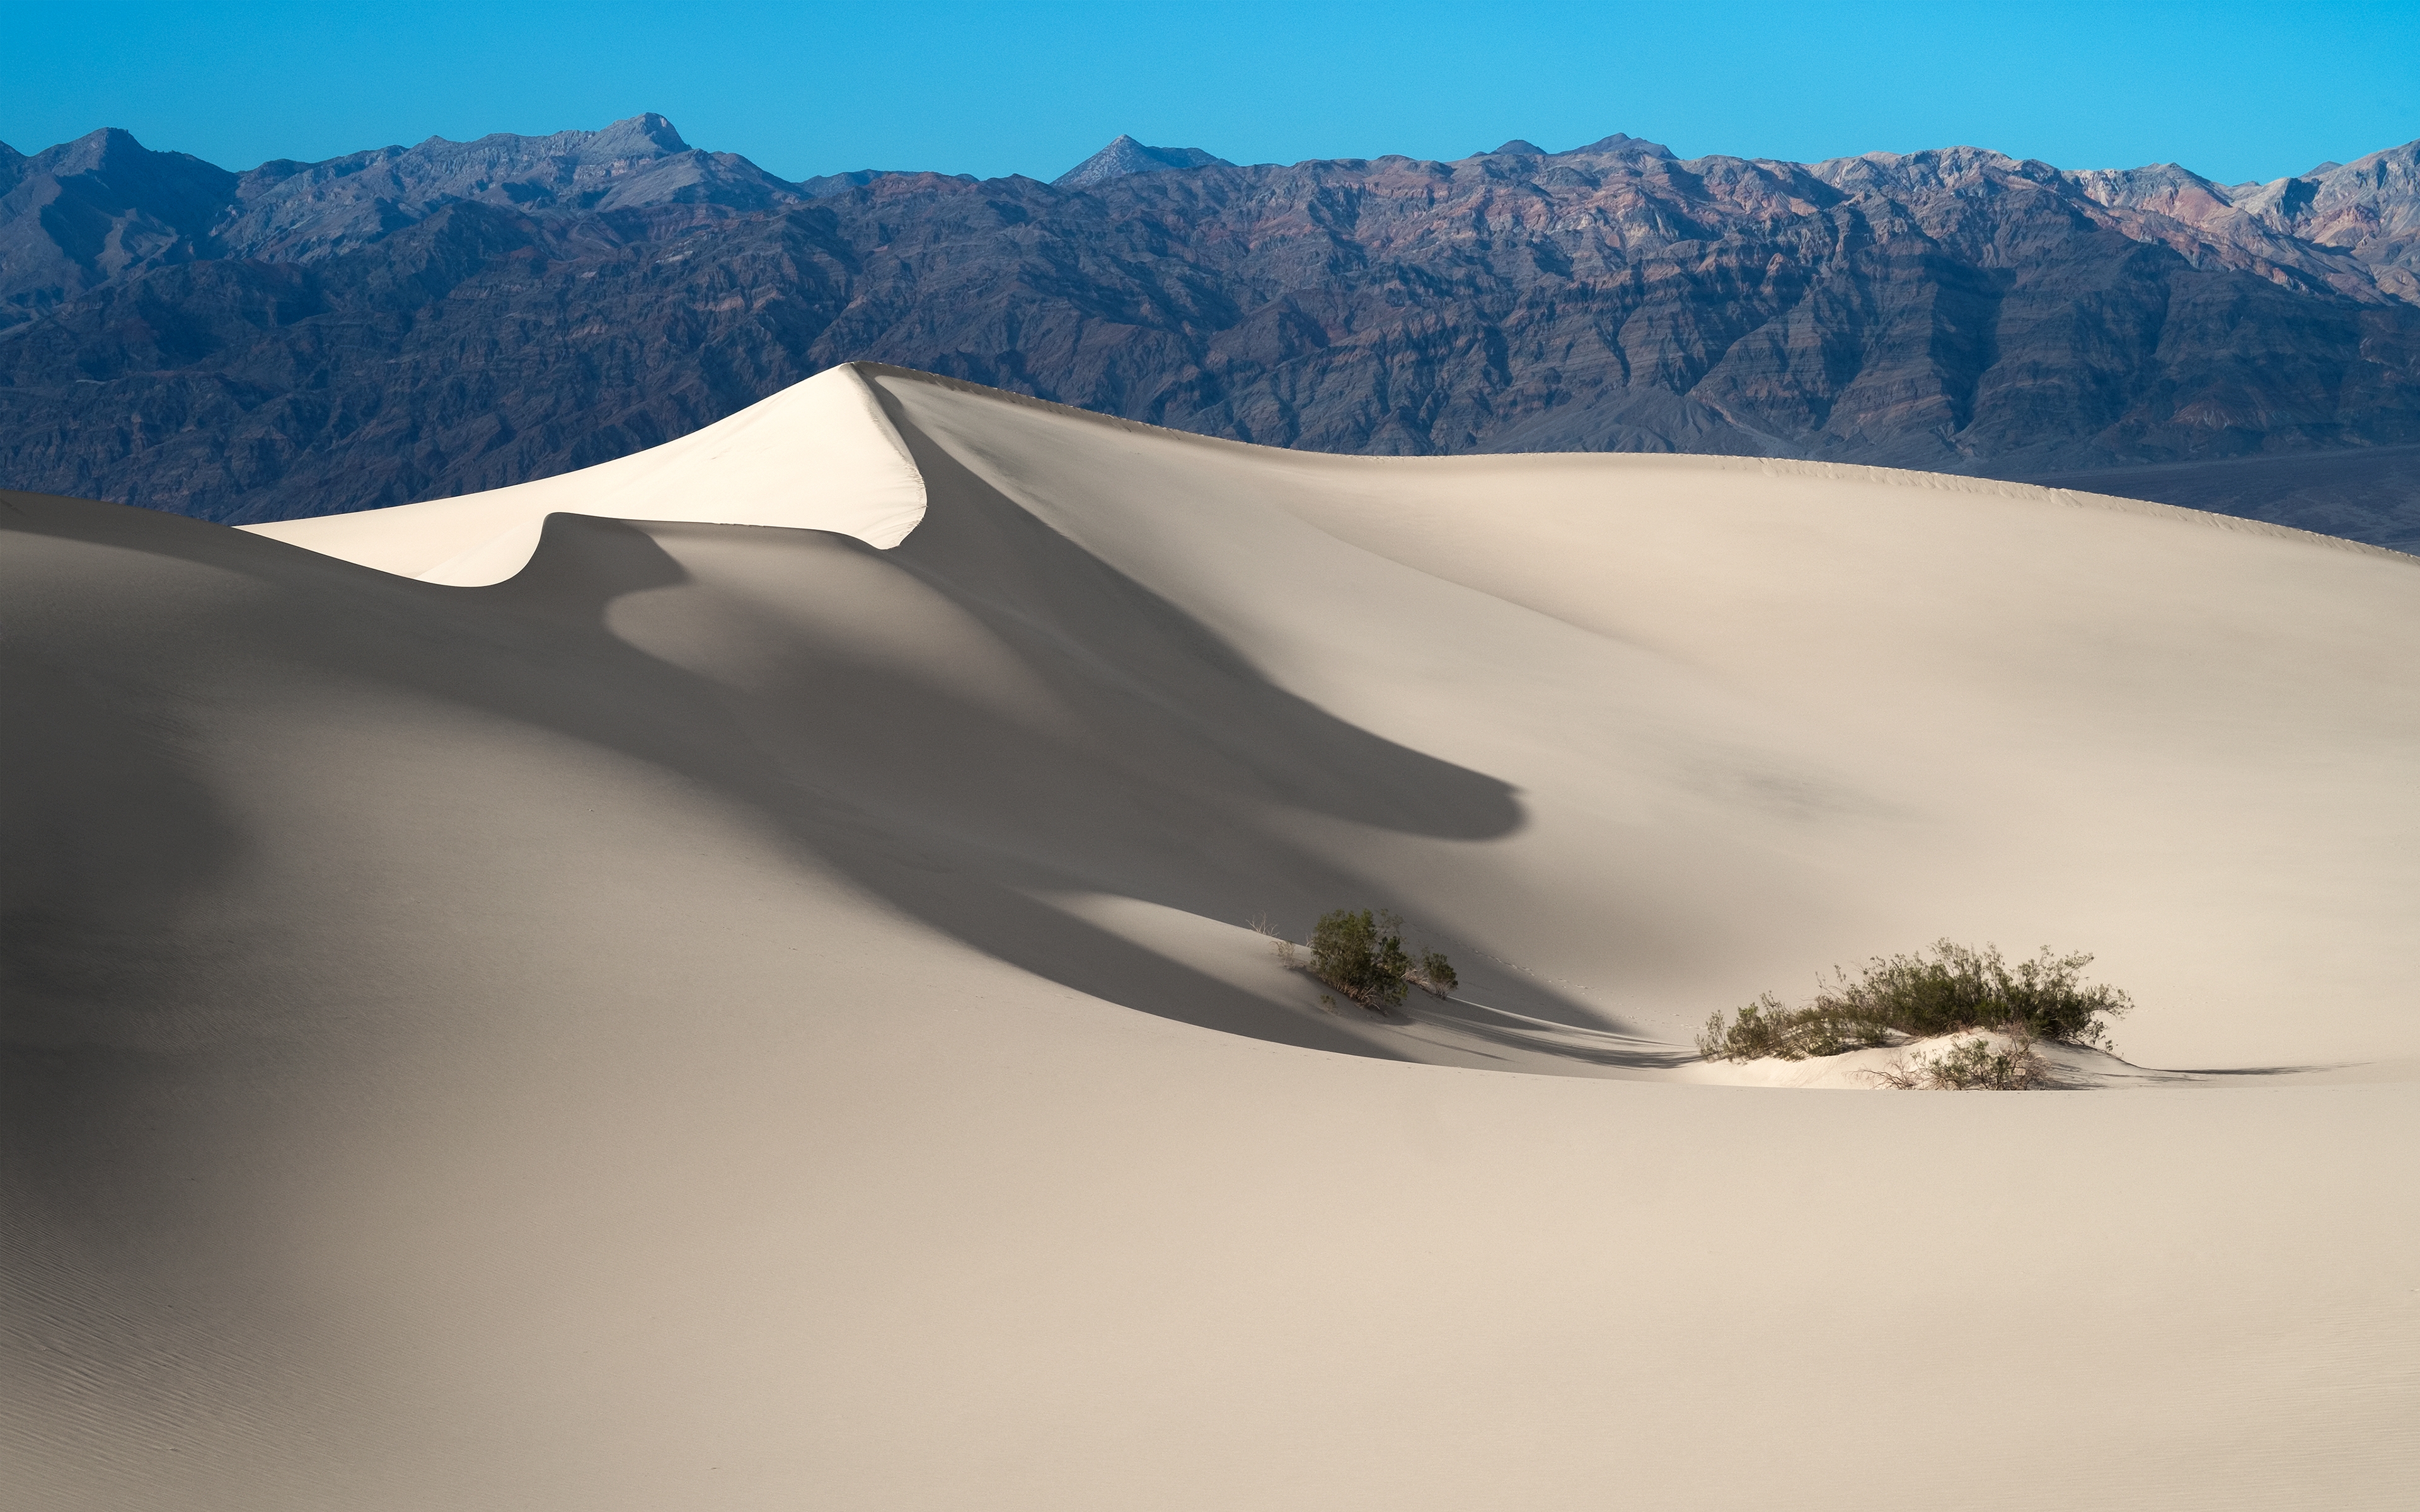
(722, 979)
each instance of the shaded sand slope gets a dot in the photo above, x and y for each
(662, 1030)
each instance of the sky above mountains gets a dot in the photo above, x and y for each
(2236, 91)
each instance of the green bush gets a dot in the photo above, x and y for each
(1976, 1065)
(1955, 989)
(1362, 955)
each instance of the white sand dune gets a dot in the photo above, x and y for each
(816, 456)
(742, 1017)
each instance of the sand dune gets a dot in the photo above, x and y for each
(817, 457)
(571, 997)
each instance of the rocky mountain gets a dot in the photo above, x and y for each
(103, 206)
(2369, 211)
(416, 322)
(298, 211)
(96, 210)
(838, 183)
(1128, 155)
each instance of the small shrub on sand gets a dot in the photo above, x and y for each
(1361, 953)
(1976, 1065)
(1289, 955)
(1434, 974)
(1770, 1029)
(1954, 990)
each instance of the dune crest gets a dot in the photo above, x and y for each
(818, 455)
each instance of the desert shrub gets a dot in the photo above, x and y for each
(1954, 990)
(1980, 1064)
(1362, 955)
(1966, 989)
(1770, 1027)
(1287, 952)
(1976, 1065)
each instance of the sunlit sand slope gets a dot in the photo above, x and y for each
(817, 455)
(746, 1017)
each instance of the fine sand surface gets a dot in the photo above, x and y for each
(720, 980)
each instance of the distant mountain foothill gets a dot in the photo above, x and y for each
(412, 323)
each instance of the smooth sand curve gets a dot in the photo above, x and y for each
(815, 457)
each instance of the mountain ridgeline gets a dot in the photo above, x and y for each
(412, 323)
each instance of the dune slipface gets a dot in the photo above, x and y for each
(720, 980)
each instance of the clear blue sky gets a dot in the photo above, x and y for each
(2229, 89)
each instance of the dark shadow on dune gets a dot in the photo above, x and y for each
(2254, 1070)
(105, 832)
(1593, 1047)
(1154, 761)
(1154, 776)
(110, 834)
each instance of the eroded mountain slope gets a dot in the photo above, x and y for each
(415, 323)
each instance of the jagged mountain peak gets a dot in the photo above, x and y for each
(1124, 155)
(2167, 188)
(840, 183)
(637, 138)
(1620, 143)
(116, 174)
(1623, 142)
(113, 148)
(304, 210)
(93, 147)
(642, 135)
(1930, 170)
(79, 214)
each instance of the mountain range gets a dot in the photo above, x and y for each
(416, 322)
